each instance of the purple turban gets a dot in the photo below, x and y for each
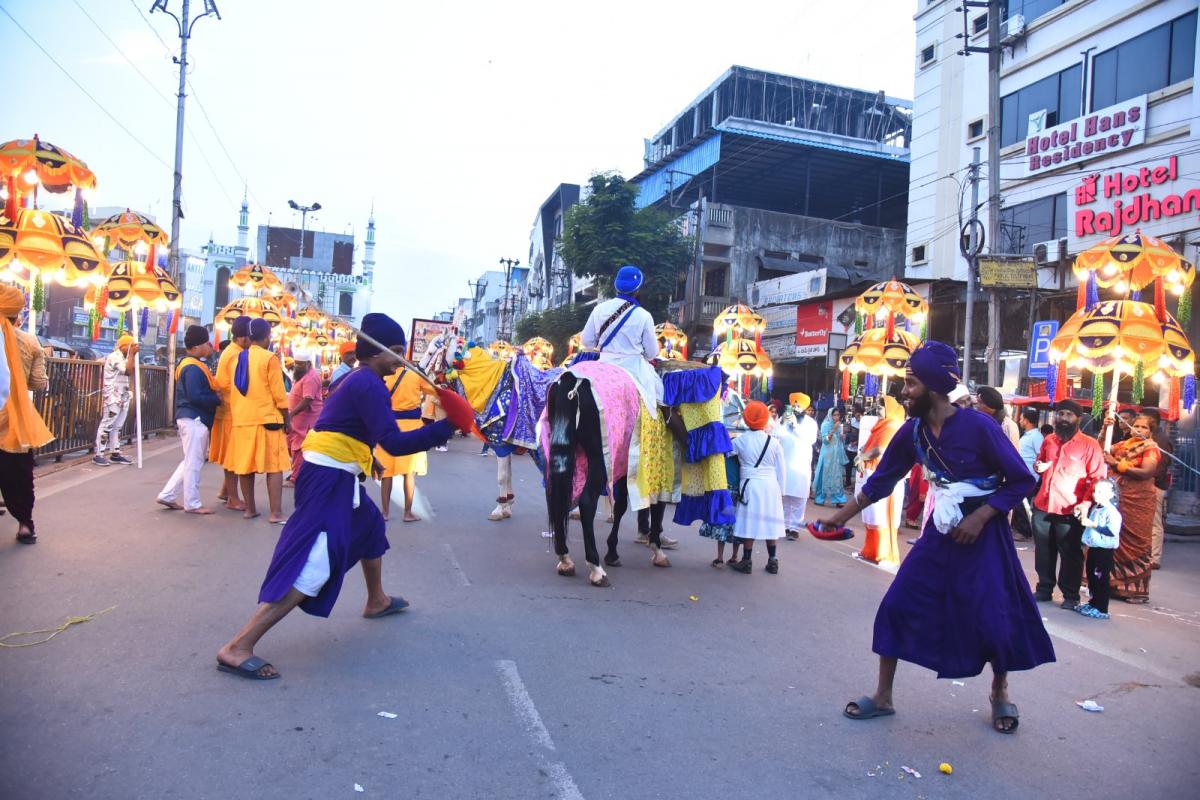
(259, 329)
(240, 327)
(936, 365)
(382, 329)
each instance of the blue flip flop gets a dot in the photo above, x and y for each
(398, 605)
(249, 669)
(867, 709)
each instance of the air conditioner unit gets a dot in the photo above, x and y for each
(1012, 29)
(1050, 253)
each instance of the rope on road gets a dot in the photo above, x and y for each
(52, 631)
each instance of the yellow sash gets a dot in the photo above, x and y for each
(339, 447)
(26, 430)
(195, 362)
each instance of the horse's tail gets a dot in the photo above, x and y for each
(562, 406)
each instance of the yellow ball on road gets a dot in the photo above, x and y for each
(945, 768)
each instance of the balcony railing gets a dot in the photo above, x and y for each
(699, 311)
(720, 216)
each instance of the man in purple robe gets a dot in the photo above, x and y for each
(335, 524)
(960, 599)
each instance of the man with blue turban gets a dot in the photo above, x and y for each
(623, 332)
(960, 599)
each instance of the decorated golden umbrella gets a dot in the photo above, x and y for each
(502, 350)
(887, 300)
(1128, 339)
(672, 342)
(256, 279)
(878, 354)
(130, 230)
(739, 322)
(1127, 264)
(744, 362)
(32, 162)
(38, 246)
(253, 307)
(540, 352)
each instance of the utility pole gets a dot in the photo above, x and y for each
(972, 254)
(294, 206)
(477, 289)
(184, 24)
(993, 204)
(504, 333)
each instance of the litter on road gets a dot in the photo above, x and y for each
(911, 771)
(387, 715)
(1090, 705)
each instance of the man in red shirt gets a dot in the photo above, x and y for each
(1070, 463)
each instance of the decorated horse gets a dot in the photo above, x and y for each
(597, 436)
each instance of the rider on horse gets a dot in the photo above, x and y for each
(623, 332)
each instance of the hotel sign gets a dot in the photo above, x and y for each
(1100, 133)
(1112, 203)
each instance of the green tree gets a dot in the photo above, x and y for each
(607, 231)
(556, 325)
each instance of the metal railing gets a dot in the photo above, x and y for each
(71, 404)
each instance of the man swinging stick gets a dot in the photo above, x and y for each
(960, 599)
(335, 524)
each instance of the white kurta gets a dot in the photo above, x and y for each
(798, 437)
(631, 348)
(760, 508)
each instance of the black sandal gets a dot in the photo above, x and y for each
(1001, 712)
(29, 537)
(718, 562)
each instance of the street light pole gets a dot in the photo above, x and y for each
(292, 204)
(185, 25)
(508, 264)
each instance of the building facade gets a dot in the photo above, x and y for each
(781, 178)
(1099, 134)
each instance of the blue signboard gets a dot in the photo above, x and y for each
(1039, 347)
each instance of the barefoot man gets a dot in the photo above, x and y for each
(335, 524)
(222, 428)
(960, 599)
(259, 408)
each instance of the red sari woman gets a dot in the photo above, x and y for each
(1134, 460)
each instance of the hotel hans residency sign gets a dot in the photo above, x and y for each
(1102, 132)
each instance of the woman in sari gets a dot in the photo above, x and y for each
(1135, 461)
(829, 481)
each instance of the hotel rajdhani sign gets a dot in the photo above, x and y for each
(1111, 203)
(1020, 273)
(1100, 133)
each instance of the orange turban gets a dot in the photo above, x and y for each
(345, 347)
(757, 415)
(24, 429)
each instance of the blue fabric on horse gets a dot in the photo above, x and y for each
(707, 440)
(714, 508)
(582, 357)
(531, 388)
(691, 385)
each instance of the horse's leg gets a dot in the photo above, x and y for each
(504, 487)
(589, 438)
(560, 468)
(620, 506)
(657, 557)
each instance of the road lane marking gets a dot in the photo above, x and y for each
(531, 720)
(462, 576)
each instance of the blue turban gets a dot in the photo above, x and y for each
(629, 279)
(259, 328)
(240, 327)
(936, 365)
(382, 329)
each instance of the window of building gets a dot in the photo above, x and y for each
(1157, 58)
(918, 254)
(345, 304)
(714, 282)
(221, 295)
(979, 24)
(1058, 95)
(928, 55)
(1030, 9)
(975, 130)
(1026, 224)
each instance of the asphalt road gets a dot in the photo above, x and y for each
(508, 681)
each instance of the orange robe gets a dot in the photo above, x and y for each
(222, 429)
(882, 519)
(255, 447)
(406, 389)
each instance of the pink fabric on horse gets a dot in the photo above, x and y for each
(620, 403)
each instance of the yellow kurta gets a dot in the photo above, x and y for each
(252, 447)
(405, 397)
(222, 429)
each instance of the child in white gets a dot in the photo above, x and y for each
(1101, 536)
(763, 483)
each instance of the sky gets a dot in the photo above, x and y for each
(454, 120)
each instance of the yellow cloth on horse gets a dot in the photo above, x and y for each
(339, 447)
(656, 458)
(406, 389)
(222, 429)
(480, 375)
(707, 474)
